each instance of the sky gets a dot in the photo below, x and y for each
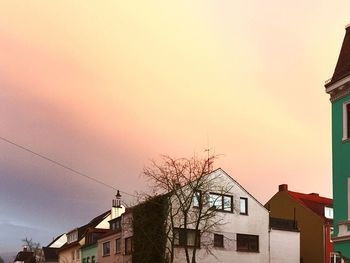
(105, 86)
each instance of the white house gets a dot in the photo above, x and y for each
(243, 234)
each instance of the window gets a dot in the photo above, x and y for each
(247, 243)
(88, 260)
(106, 249)
(186, 237)
(221, 202)
(72, 237)
(78, 254)
(128, 246)
(335, 258)
(118, 245)
(197, 197)
(243, 206)
(328, 212)
(116, 224)
(84, 260)
(93, 259)
(218, 240)
(346, 120)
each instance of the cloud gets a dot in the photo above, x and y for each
(14, 233)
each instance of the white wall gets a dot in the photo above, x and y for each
(255, 223)
(284, 246)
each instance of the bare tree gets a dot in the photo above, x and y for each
(192, 209)
(34, 247)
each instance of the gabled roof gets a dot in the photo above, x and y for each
(342, 69)
(92, 235)
(26, 256)
(92, 224)
(83, 229)
(55, 240)
(239, 185)
(314, 202)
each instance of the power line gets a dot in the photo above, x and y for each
(64, 166)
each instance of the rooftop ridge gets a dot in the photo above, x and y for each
(312, 196)
(342, 68)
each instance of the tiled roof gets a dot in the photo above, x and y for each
(26, 256)
(82, 230)
(342, 69)
(93, 223)
(314, 202)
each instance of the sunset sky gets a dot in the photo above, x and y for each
(105, 86)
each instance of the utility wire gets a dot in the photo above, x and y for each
(64, 166)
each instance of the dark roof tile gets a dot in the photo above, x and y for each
(26, 256)
(342, 69)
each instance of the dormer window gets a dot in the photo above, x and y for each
(328, 212)
(72, 237)
(115, 224)
(346, 121)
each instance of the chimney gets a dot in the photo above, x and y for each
(282, 187)
(25, 249)
(117, 208)
(118, 200)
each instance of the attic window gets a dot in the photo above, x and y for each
(328, 212)
(221, 202)
(346, 121)
(72, 237)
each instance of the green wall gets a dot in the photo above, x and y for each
(89, 251)
(341, 172)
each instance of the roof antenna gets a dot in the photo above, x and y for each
(208, 149)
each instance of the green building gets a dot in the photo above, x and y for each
(89, 252)
(338, 87)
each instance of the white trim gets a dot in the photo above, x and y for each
(338, 84)
(345, 121)
(348, 198)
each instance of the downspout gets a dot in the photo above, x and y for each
(269, 231)
(324, 243)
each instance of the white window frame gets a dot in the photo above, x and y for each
(197, 199)
(349, 198)
(243, 201)
(346, 136)
(328, 212)
(218, 202)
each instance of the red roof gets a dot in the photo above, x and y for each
(314, 202)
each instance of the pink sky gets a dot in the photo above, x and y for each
(104, 86)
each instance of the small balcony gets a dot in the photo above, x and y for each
(343, 233)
